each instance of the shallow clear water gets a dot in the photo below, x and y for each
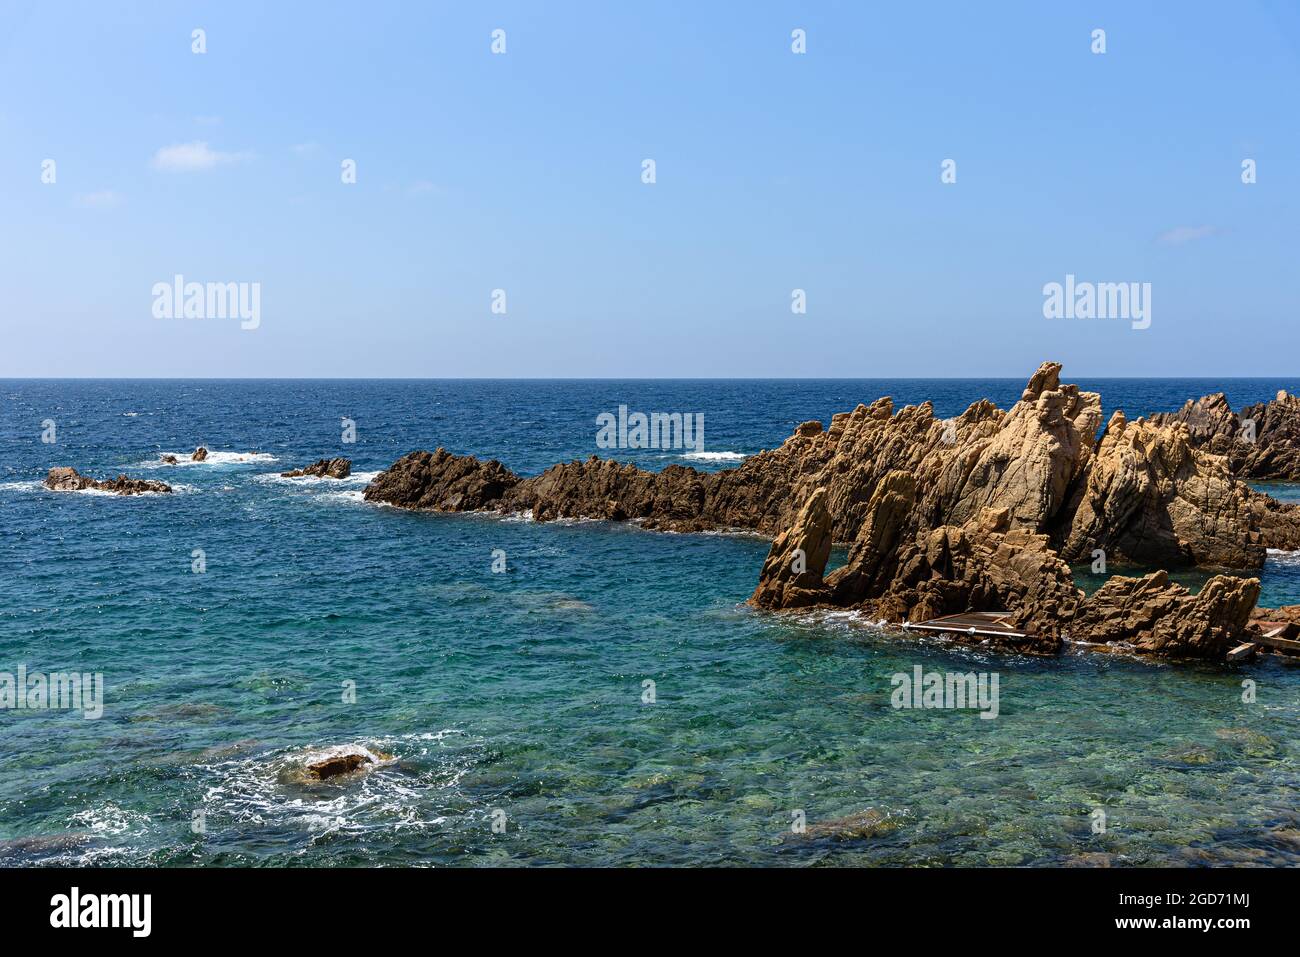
(521, 693)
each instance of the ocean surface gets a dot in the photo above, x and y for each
(515, 704)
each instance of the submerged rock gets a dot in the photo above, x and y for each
(852, 827)
(67, 479)
(339, 468)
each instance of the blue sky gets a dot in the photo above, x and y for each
(522, 172)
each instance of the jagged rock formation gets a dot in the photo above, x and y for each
(324, 468)
(1268, 450)
(67, 479)
(441, 482)
(1150, 498)
(1152, 615)
(1144, 493)
(792, 574)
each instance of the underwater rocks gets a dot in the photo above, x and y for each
(1262, 443)
(324, 468)
(67, 479)
(200, 454)
(441, 482)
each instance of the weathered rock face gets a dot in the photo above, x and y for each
(792, 574)
(984, 566)
(1271, 453)
(200, 454)
(442, 482)
(601, 488)
(67, 479)
(1150, 498)
(324, 468)
(1155, 616)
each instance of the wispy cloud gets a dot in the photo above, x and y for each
(103, 199)
(303, 149)
(193, 157)
(1186, 234)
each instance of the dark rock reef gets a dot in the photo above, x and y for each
(324, 468)
(67, 479)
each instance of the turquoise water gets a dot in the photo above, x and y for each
(519, 696)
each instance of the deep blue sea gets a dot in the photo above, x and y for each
(519, 699)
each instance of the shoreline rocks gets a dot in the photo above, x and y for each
(68, 479)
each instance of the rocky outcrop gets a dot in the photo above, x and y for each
(1150, 498)
(200, 454)
(441, 482)
(984, 566)
(169, 459)
(792, 574)
(1262, 443)
(67, 479)
(1144, 494)
(324, 468)
(1152, 615)
(981, 512)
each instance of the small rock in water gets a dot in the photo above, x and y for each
(170, 459)
(199, 454)
(339, 468)
(345, 759)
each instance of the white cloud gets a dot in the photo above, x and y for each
(104, 199)
(1186, 234)
(193, 157)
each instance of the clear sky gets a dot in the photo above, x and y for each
(774, 171)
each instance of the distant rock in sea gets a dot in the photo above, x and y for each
(324, 468)
(67, 479)
(199, 455)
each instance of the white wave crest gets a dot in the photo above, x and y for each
(716, 456)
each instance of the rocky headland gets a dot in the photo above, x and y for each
(985, 511)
